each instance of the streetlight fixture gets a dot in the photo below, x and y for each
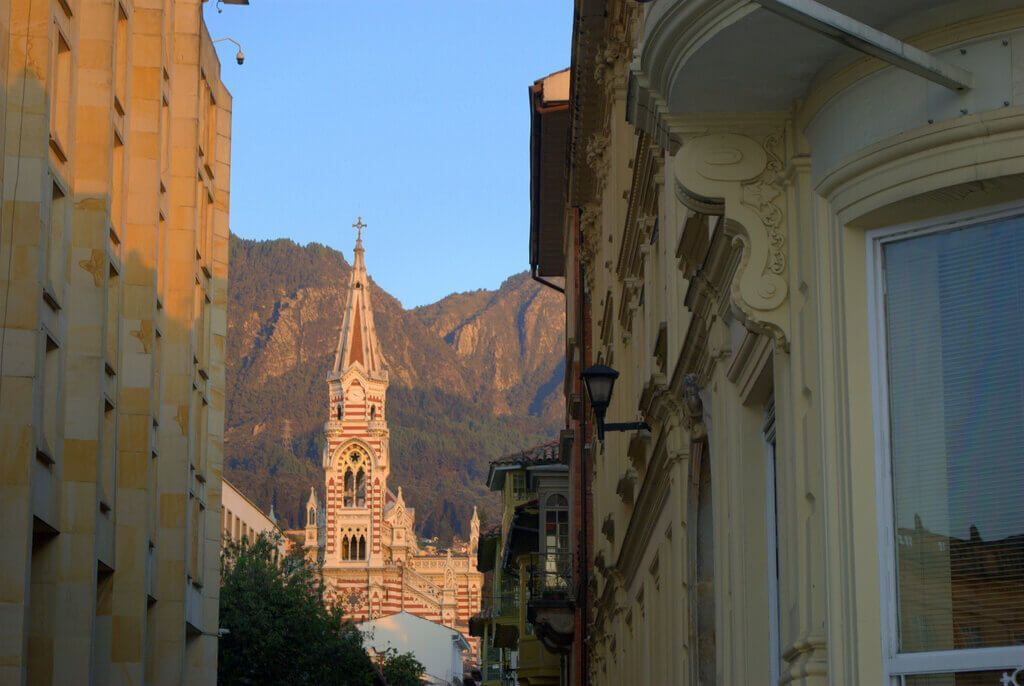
(239, 56)
(600, 381)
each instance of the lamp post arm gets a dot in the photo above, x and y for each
(627, 426)
(231, 40)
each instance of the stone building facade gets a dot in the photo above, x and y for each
(803, 260)
(113, 268)
(363, 531)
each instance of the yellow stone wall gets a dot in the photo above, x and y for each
(113, 269)
(731, 248)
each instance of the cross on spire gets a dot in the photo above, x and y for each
(359, 226)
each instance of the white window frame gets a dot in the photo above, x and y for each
(899, 665)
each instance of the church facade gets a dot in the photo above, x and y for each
(363, 531)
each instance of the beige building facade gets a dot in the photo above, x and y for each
(242, 520)
(113, 269)
(803, 261)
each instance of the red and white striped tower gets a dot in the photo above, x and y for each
(356, 460)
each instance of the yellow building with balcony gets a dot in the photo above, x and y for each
(113, 287)
(528, 563)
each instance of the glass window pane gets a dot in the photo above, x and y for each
(955, 326)
(962, 679)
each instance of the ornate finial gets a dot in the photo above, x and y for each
(359, 226)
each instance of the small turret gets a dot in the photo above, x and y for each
(312, 508)
(474, 532)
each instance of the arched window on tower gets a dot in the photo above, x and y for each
(354, 550)
(312, 517)
(350, 490)
(340, 410)
(360, 489)
(344, 548)
(362, 547)
(373, 412)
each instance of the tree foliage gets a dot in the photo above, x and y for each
(280, 630)
(402, 669)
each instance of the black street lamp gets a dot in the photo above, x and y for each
(600, 381)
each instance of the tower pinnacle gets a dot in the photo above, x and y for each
(359, 226)
(358, 343)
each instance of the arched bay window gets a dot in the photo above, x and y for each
(344, 548)
(362, 547)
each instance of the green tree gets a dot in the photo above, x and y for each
(402, 669)
(280, 630)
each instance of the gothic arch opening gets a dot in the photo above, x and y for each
(360, 488)
(344, 548)
(349, 500)
(362, 547)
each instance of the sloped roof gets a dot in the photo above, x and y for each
(539, 455)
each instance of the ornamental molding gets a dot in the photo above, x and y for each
(762, 195)
(611, 63)
(744, 179)
(626, 488)
(650, 502)
(608, 528)
(694, 415)
(590, 241)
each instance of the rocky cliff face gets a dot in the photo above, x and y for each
(473, 376)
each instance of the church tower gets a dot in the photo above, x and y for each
(356, 459)
(365, 533)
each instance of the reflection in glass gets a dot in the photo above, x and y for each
(955, 327)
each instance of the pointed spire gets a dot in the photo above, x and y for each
(358, 341)
(474, 532)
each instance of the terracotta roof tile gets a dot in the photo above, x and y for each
(545, 453)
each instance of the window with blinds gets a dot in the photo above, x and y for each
(954, 319)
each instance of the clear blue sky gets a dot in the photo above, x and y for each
(411, 113)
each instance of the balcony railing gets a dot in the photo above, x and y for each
(550, 575)
(501, 605)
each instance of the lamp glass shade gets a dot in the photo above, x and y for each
(600, 380)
